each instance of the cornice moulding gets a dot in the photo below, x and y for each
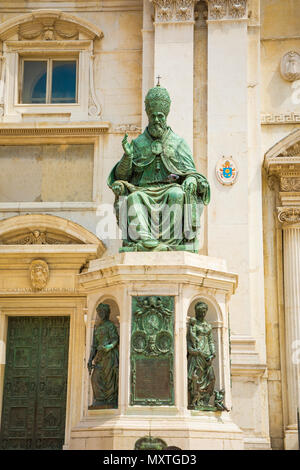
(182, 267)
(23, 6)
(76, 129)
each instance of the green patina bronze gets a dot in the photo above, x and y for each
(201, 352)
(152, 350)
(103, 363)
(150, 443)
(159, 195)
(35, 383)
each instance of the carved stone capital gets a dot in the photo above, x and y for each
(174, 10)
(227, 9)
(289, 215)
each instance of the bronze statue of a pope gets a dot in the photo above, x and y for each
(159, 195)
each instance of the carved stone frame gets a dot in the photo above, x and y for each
(34, 36)
(282, 170)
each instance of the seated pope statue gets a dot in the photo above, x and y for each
(159, 195)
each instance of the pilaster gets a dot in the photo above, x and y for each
(227, 135)
(282, 162)
(174, 60)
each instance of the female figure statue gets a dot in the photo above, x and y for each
(201, 352)
(105, 354)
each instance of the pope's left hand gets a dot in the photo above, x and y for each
(190, 185)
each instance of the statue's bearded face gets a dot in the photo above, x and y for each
(157, 123)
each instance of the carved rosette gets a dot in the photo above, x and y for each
(289, 215)
(174, 10)
(227, 9)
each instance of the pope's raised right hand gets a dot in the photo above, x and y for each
(127, 146)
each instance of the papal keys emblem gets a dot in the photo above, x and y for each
(226, 171)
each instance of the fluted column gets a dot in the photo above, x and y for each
(290, 217)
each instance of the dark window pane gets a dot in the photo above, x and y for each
(34, 81)
(63, 82)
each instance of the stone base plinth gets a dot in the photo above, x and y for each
(291, 438)
(188, 278)
(206, 431)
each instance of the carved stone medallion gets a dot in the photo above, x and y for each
(290, 66)
(226, 171)
(39, 274)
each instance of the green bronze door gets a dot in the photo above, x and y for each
(35, 383)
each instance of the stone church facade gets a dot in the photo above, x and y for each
(232, 69)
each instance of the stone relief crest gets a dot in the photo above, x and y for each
(290, 66)
(226, 171)
(39, 274)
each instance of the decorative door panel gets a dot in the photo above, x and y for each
(35, 384)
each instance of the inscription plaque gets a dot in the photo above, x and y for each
(152, 350)
(153, 379)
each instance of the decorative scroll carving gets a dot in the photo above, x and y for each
(48, 29)
(289, 215)
(292, 151)
(290, 184)
(174, 10)
(94, 105)
(290, 66)
(48, 25)
(39, 238)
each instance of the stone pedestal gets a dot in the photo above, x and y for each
(187, 278)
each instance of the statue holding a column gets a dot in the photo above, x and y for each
(159, 195)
